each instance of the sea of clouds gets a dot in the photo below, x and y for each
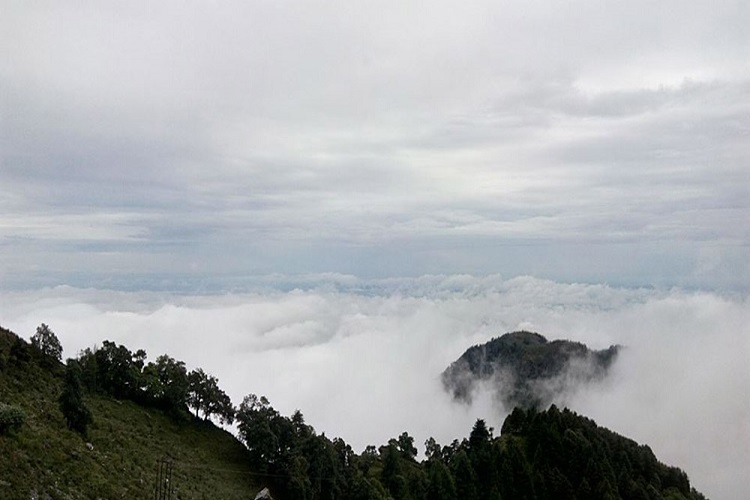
(362, 358)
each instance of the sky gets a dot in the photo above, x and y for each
(183, 144)
(327, 202)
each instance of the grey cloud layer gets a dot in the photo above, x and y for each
(362, 358)
(142, 137)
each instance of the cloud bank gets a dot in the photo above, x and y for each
(362, 358)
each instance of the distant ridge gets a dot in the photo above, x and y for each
(526, 370)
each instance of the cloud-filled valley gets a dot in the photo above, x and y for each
(362, 359)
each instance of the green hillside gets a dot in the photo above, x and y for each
(45, 458)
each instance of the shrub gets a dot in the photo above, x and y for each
(11, 418)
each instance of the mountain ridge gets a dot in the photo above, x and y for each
(525, 369)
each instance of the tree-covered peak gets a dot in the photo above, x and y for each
(525, 369)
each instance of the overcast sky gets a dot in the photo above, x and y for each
(167, 144)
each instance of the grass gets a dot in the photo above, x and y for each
(121, 454)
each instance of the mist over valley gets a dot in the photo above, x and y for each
(367, 367)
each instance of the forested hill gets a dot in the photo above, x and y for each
(105, 425)
(525, 369)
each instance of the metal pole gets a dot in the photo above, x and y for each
(164, 485)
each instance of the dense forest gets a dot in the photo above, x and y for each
(525, 369)
(112, 400)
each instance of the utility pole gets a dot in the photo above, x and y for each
(164, 485)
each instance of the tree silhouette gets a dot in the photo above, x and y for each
(204, 395)
(47, 343)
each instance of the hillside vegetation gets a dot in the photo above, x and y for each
(45, 459)
(49, 451)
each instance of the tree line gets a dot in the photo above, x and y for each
(114, 370)
(550, 454)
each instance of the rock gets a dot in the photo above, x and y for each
(264, 494)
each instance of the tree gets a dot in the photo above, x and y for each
(200, 388)
(441, 484)
(255, 417)
(480, 435)
(515, 423)
(406, 446)
(516, 472)
(46, 342)
(392, 474)
(480, 453)
(464, 477)
(117, 375)
(204, 395)
(166, 383)
(77, 415)
(433, 450)
(362, 488)
(224, 409)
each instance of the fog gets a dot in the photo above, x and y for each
(361, 359)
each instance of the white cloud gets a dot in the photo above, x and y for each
(361, 358)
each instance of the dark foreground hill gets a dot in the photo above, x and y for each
(541, 455)
(525, 369)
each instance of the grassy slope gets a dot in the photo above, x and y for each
(128, 440)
